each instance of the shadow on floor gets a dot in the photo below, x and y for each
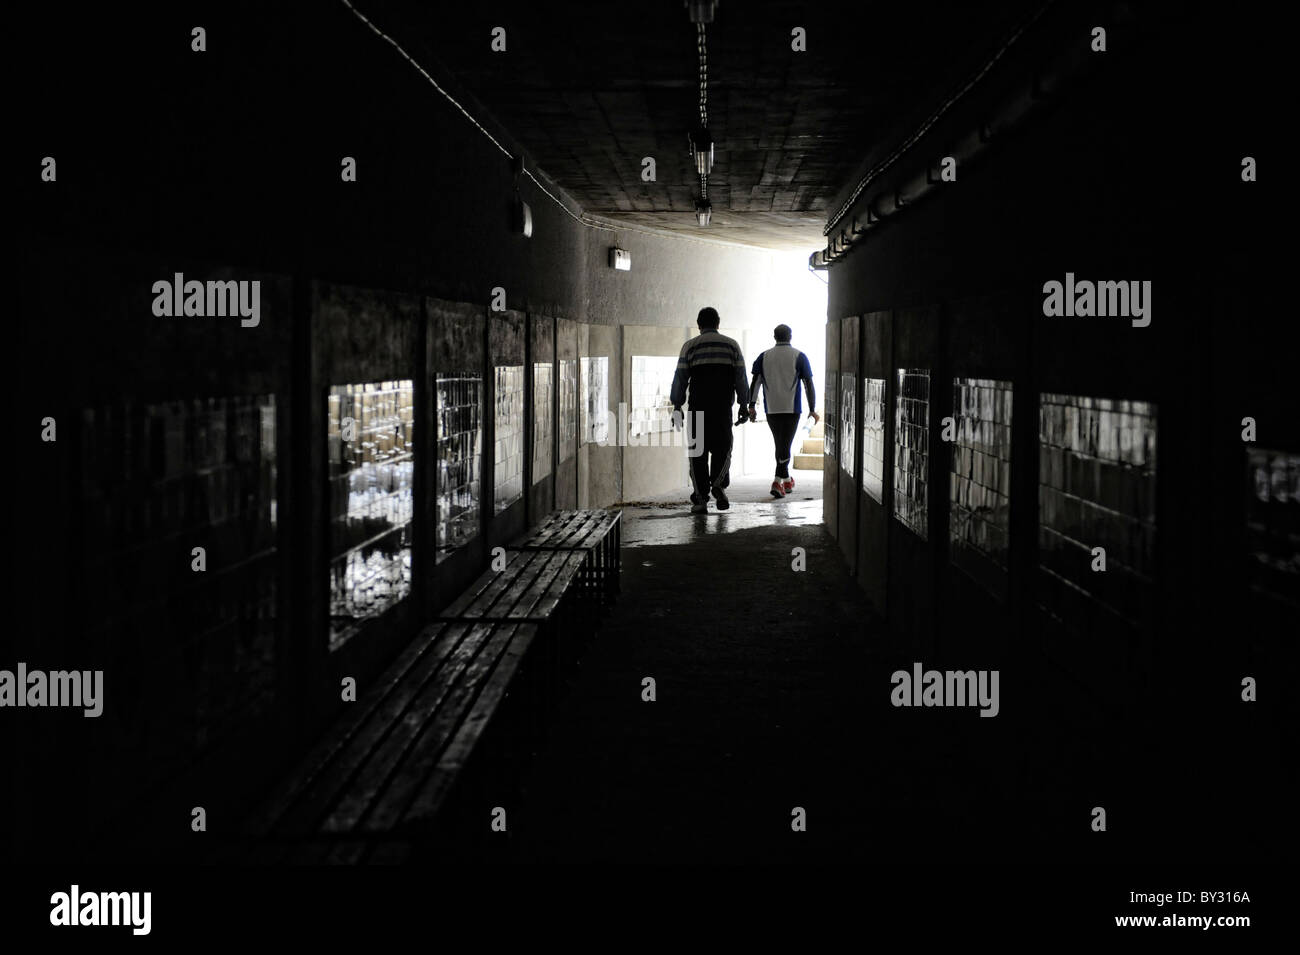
(773, 693)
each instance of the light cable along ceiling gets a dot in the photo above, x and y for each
(773, 130)
(701, 145)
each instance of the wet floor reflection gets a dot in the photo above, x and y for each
(667, 525)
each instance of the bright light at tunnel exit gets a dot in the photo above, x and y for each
(797, 297)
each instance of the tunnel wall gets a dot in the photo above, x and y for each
(654, 463)
(830, 406)
(458, 346)
(850, 453)
(428, 214)
(227, 165)
(873, 526)
(955, 285)
(602, 464)
(541, 376)
(567, 414)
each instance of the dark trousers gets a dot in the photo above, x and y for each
(783, 428)
(711, 437)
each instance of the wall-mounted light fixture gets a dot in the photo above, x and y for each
(620, 259)
(521, 216)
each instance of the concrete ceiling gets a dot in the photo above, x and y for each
(589, 89)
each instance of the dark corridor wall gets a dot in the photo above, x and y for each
(1133, 172)
(234, 156)
(195, 431)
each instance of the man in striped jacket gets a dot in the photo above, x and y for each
(711, 375)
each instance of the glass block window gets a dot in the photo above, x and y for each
(831, 422)
(848, 401)
(567, 435)
(652, 382)
(543, 425)
(370, 431)
(873, 438)
(155, 481)
(979, 485)
(1096, 488)
(459, 403)
(508, 419)
(595, 400)
(1273, 524)
(912, 449)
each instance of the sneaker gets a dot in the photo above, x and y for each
(720, 499)
(788, 485)
(777, 489)
(700, 507)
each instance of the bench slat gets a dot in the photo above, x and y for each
(557, 524)
(437, 734)
(578, 529)
(529, 588)
(424, 649)
(492, 586)
(598, 534)
(429, 800)
(381, 762)
(522, 589)
(556, 573)
(389, 763)
(324, 792)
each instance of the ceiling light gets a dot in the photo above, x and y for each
(702, 11)
(702, 150)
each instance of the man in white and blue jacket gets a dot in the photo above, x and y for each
(779, 370)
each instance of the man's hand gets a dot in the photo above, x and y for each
(677, 419)
(753, 412)
(815, 416)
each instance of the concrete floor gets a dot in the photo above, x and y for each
(666, 518)
(769, 697)
(772, 693)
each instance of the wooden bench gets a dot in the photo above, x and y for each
(371, 790)
(598, 534)
(542, 587)
(373, 786)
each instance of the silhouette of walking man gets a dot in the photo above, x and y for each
(779, 370)
(711, 369)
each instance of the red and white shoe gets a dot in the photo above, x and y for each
(777, 489)
(787, 485)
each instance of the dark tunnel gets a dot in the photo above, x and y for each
(353, 523)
